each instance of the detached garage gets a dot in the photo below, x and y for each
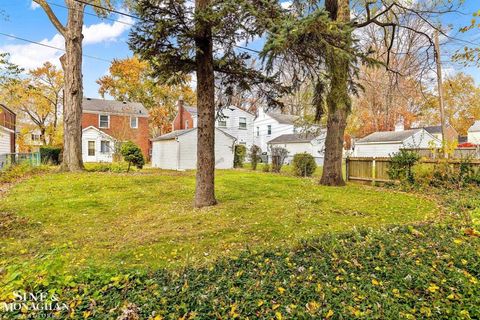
(178, 150)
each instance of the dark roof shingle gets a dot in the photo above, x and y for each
(113, 106)
(388, 136)
(283, 118)
(294, 138)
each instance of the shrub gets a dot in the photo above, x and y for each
(132, 154)
(401, 166)
(50, 155)
(266, 167)
(255, 158)
(279, 155)
(19, 171)
(239, 156)
(423, 173)
(304, 165)
(116, 167)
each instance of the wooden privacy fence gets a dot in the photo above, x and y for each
(375, 170)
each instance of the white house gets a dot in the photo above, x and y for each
(178, 150)
(232, 120)
(294, 143)
(386, 143)
(474, 133)
(270, 125)
(97, 146)
(236, 122)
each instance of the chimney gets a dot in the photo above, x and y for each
(400, 125)
(180, 112)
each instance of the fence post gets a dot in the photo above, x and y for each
(347, 173)
(374, 170)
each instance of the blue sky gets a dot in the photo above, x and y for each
(106, 39)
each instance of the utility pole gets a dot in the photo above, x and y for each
(440, 91)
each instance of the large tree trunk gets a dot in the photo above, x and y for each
(338, 102)
(205, 182)
(73, 92)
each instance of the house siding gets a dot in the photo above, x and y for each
(91, 134)
(262, 122)
(315, 149)
(119, 128)
(243, 136)
(182, 155)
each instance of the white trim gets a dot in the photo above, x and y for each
(100, 121)
(100, 131)
(136, 122)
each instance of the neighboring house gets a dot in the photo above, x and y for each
(436, 131)
(474, 133)
(29, 139)
(106, 123)
(178, 150)
(386, 143)
(8, 120)
(294, 143)
(270, 125)
(233, 120)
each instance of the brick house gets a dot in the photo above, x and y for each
(186, 117)
(107, 122)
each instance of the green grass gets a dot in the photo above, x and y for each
(146, 220)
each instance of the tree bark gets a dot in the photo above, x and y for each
(338, 102)
(73, 92)
(205, 179)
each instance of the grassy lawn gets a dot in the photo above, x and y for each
(124, 221)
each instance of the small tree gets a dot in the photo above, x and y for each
(402, 164)
(239, 156)
(132, 154)
(279, 155)
(255, 152)
(304, 164)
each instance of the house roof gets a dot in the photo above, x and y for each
(99, 131)
(283, 118)
(172, 135)
(389, 136)
(193, 111)
(113, 106)
(175, 134)
(293, 138)
(475, 127)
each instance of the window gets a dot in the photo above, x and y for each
(258, 131)
(222, 123)
(134, 122)
(186, 124)
(242, 123)
(91, 148)
(269, 129)
(103, 121)
(294, 130)
(35, 137)
(105, 146)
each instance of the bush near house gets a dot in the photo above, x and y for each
(304, 164)
(279, 155)
(401, 166)
(255, 158)
(239, 156)
(50, 155)
(132, 154)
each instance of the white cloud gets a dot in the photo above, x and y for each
(34, 5)
(101, 32)
(31, 56)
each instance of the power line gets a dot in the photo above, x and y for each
(140, 19)
(49, 46)
(90, 14)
